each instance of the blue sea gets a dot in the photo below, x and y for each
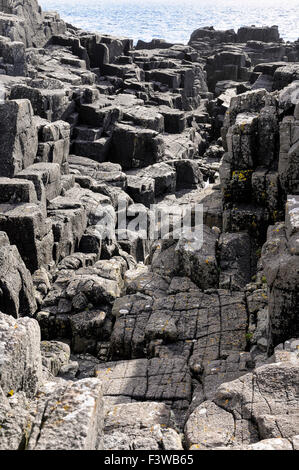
(174, 20)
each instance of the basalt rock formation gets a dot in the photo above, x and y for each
(131, 341)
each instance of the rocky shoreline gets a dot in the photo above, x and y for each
(128, 343)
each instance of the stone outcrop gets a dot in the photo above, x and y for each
(18, 137)
(24, 21)
(247, 413)
(115, 336)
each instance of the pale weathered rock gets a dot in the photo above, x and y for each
(15, 421)
(208, 427)
(20, 361)
(68, 417)
(54, 355)
(140, 426)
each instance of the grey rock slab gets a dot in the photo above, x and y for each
(69, 417)
(17, 291)
(209, 426)
(20, 361)
(132, 425)
(18, 141)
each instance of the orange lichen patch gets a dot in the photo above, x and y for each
(58, 422)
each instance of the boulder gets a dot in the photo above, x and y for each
(256, 33)
(20, 362)
(135, 147)
(16, 286)
(280, 262)
(18, 141)
(147, 426)
(68, 417)
(30, 231)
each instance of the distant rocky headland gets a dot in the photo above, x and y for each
(127, 342)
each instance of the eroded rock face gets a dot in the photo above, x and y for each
(18, 137)
(280, 261)
(17, 294)
(69, 416)
(248, 412)
(24, 21)
(141, 426)
(20, 367)
(184, 339)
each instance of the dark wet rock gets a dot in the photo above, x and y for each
(174, 120)
(188, 174)
(134, 146)
(230, 65)
(142, 190)
(30, 232)
(235, 260)
(14, 191)
(255, 33)
(212, 35)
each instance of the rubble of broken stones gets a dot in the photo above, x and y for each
(132, 343)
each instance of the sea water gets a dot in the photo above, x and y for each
(174, 20)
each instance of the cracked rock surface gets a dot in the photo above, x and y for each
(111, 339)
